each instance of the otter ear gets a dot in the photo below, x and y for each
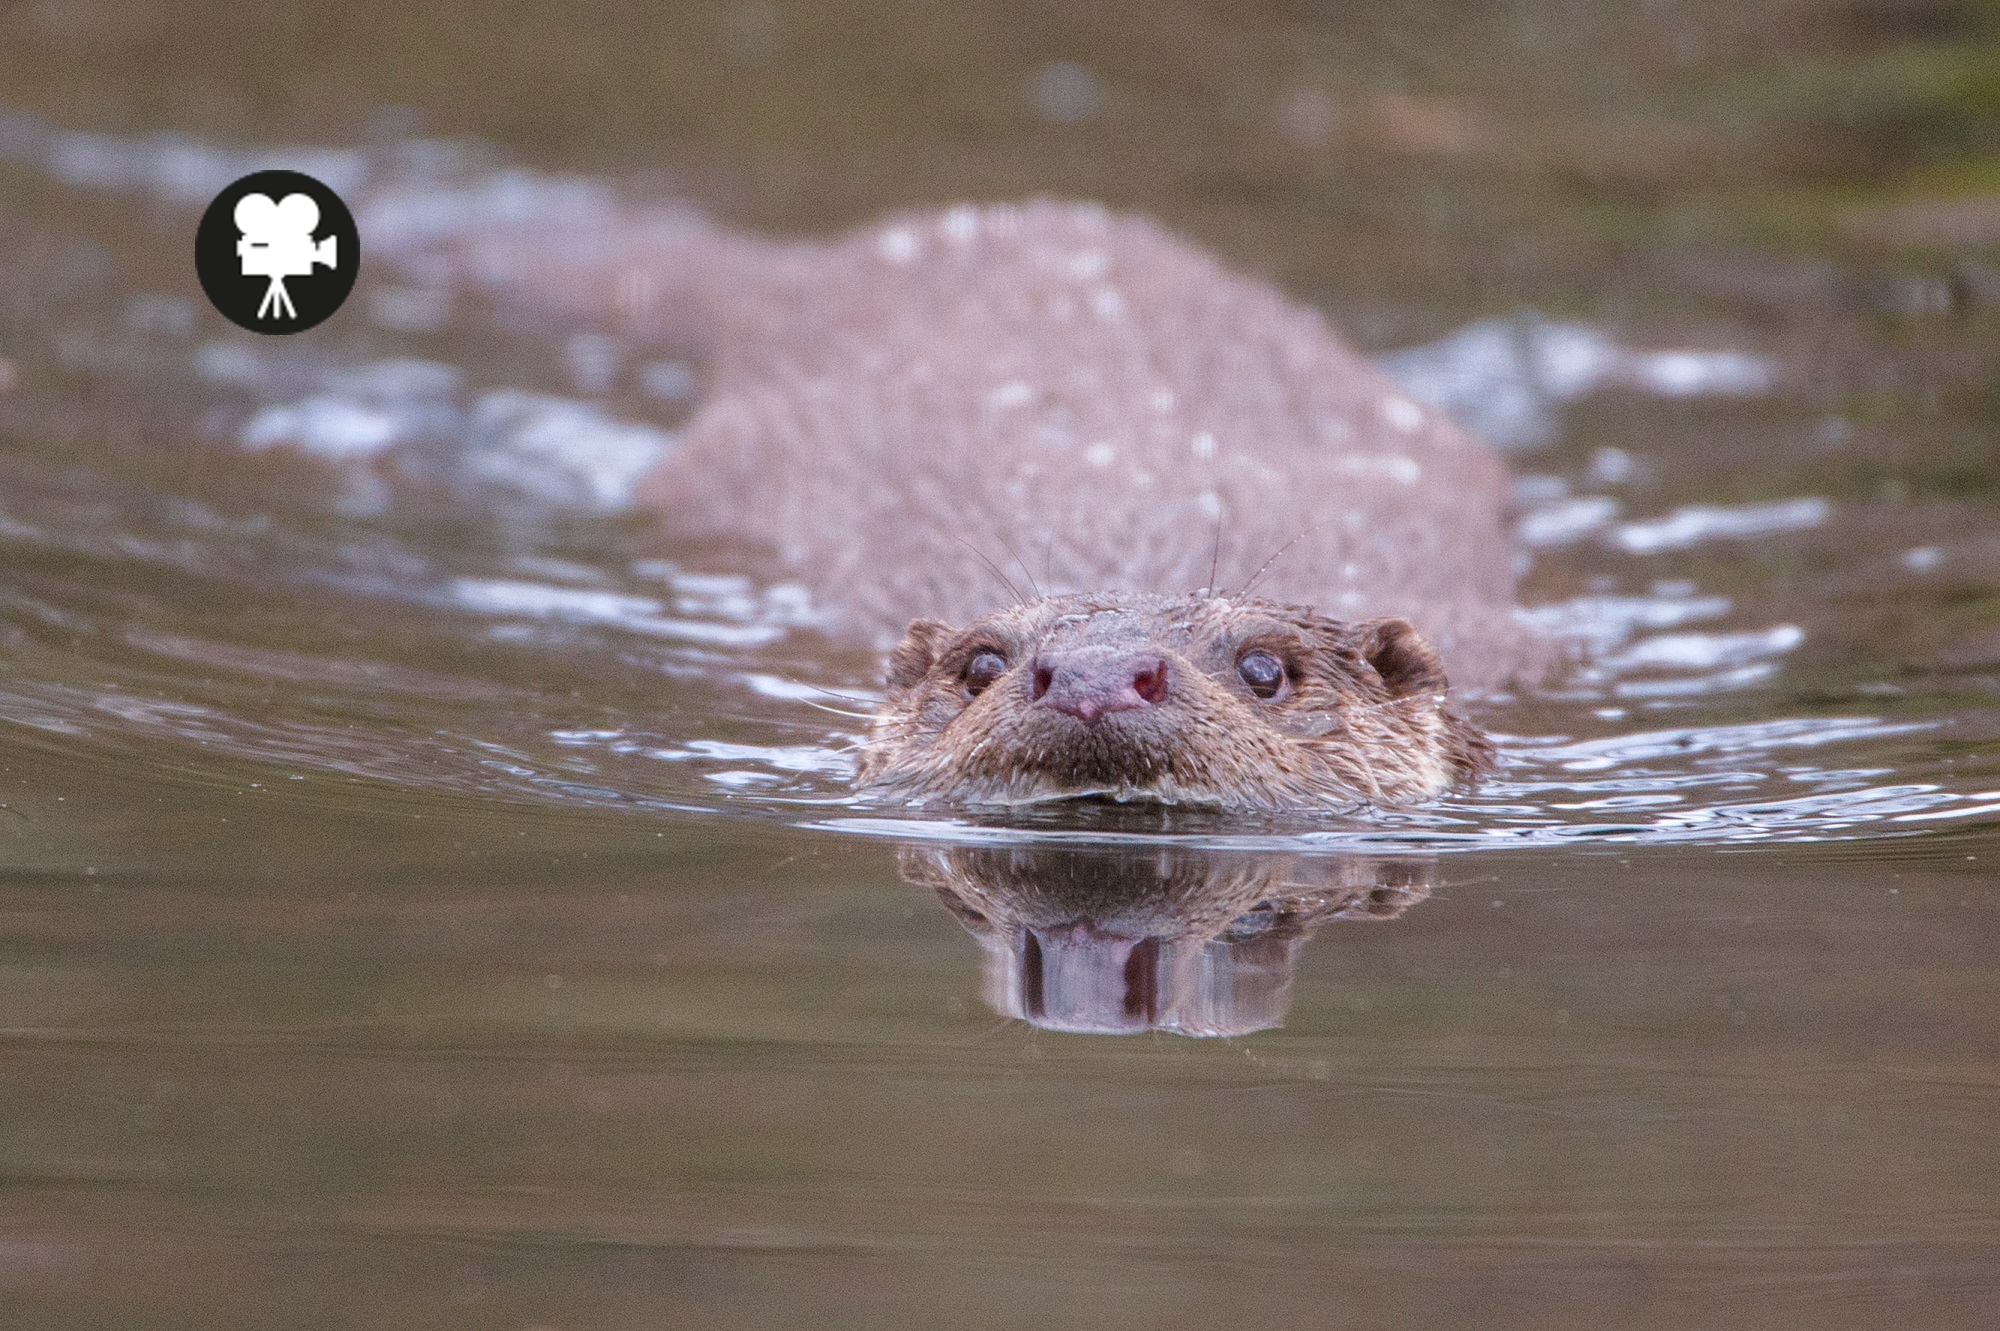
(1407, 664)
(917, 652)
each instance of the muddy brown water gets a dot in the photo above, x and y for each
(429, 897)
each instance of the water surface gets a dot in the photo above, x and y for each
(429, 896)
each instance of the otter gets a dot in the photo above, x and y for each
(1055, 396)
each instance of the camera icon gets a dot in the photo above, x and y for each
(277, 243)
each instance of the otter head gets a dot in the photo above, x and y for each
(1237, 702)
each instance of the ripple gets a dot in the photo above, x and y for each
(1687, 527)
(530, 664)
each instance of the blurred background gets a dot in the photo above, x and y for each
(1568, 155)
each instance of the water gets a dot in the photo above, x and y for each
(431, 897)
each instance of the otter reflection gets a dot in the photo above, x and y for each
(1112, 941)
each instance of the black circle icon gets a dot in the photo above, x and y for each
(277, 252)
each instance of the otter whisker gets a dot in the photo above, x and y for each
(856, 699)
(1277, 554)
(992, 568)
(1026, 572)
(837, 711)
(986, 1033)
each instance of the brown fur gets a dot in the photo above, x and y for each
(1075, 396)
(1364, 719)
(1116, 419)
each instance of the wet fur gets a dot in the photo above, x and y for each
(1075, 396)
(1364, 719)
(895, 416)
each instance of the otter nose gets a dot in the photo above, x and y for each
(1091, 682)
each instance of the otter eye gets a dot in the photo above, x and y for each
(1263, 672)
(981, 670)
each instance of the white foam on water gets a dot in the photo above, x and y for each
(848, 697)
(360, 412)
(1692, 526)
(1505, 379)
(1699, 373)
(1603, 622)
(498, 596)
(557, 451)
(325, 427)
(1687, 743)
(1670, 665)
(1530, 489)
(787, 758)
(729, 764)
(732, 596)
(1721, 681)
(180, 169)
(1566, 521)
(636, 614)
(1972, 811)
(560, 450)
(1922, 559)
(420, 204)
(1706, 651)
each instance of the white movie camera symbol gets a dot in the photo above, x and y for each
(277, 243)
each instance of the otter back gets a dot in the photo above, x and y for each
(1075, 397)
